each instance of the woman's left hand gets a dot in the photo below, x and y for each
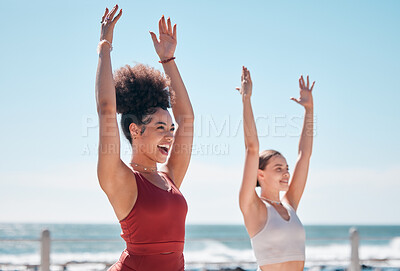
(108, 23)
(306, 98)
(247, 85)
(166, 44)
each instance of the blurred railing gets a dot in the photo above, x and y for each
(45, 248)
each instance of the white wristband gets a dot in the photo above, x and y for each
(101, 43)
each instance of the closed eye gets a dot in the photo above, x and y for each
(161, 127)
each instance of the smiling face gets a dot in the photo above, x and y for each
(275, 176)
(153, 141)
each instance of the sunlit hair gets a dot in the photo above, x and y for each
(140, 91)
(264, 157)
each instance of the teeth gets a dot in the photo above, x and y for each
(164, 146)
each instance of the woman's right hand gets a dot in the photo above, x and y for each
(108, 23)
(247, 84)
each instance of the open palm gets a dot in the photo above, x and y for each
(108, 23)
(306, 98)
(166, 43)
(247, 85)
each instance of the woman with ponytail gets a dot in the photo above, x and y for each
(277, 235)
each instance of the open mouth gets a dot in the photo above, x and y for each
(285, 181)
(163, 149)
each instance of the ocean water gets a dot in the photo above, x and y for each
(207, 246)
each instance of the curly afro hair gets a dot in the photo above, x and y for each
(140, 91)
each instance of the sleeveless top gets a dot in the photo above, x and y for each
(280, 240)
(156, 223)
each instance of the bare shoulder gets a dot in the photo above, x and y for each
(120, 178)
(123, 192)
(255, 218)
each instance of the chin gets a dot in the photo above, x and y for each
(161, 160)
(284, 189)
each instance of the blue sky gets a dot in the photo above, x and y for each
(49, 126)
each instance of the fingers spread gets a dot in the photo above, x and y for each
(169, 27)
(174, 32)
(153, 37)
(312, 86)
(112, 13)
(300, 86)
(294, 99)
(105, 14)
(160, 26)
(308, 82)
(117, 17)
(163, 25)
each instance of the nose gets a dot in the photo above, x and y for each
(286, 173)
(169, 136)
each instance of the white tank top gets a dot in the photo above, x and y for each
(280, 240)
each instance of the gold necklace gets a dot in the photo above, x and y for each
(152, 169)
(146, 169)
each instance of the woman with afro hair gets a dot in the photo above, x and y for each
(146, 200)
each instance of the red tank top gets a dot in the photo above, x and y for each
(156, 223)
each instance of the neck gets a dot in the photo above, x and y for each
(142, 163)
(271, 195)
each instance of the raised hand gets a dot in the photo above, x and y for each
(108, 22)
(306, 98)
(166, 44)
(247, 84)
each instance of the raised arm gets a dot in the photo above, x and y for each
(299, 178)
(181, 149)
(109, 162)
(248, 199)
